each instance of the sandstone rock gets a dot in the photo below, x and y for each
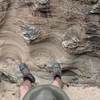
(88, 45)
(95, 9)
(42, 7)
(79, 57)
(67, 26)
(43, 1)
(4, 5)
(88, 68)
(25, 2)
(37, 7)
(71, 40)
(89, 1)
(7, 77)
(32, 34)
(91, 29)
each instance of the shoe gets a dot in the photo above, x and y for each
(57, 71)
(26, 73)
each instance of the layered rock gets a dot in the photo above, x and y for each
(4, 5)
(69, 36)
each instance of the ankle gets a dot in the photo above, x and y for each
(58, 82)
(30, 78)
(57, 77)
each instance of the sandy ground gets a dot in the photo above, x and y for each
(11, 92)
(81, 93)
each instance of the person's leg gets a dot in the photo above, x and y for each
(24, 88)
(28, 80)
(58, 82)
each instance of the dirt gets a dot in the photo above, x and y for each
(69, 35)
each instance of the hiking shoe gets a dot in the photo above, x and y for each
(26, 73)
(57, 71)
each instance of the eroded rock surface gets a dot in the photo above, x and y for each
(62, 31)
(4, 6)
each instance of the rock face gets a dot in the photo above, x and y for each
(61, 31)
(4, 5)
(96, 8)
(88, 1)
(87, 45)
(38, 32)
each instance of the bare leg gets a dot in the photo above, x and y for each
(24, 88)
(58, 82)
(28, 80)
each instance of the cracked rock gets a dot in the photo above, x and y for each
(89, 45)
(32, 34)
(71, 40)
